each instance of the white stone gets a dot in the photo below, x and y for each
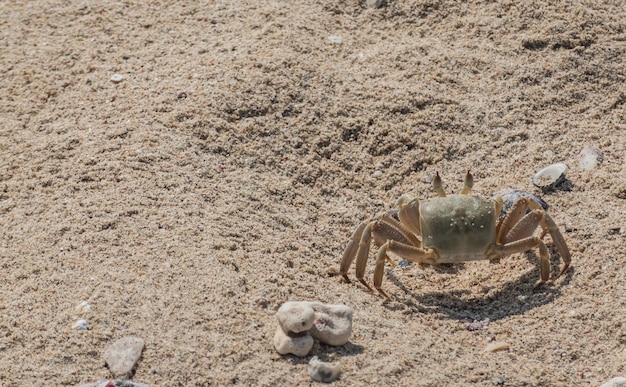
(335, 39)
(122, 356)
(333, 323)
(323, 372)
(117, 78)
(615, 382)
(81, 325)
(295, 317)
(298, 344)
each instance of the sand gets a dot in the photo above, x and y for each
(224, 174)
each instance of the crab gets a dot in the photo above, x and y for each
(453, 228)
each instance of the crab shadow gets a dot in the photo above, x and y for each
(514, 297)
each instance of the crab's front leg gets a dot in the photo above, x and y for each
(409, 213)
(406, 251)
(383, 229)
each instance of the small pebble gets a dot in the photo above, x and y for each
(298, 344)
(378, 173)
(323, 372)
(589, 158)
(181, 94)
(335, 39)
(496, 346)
(373, 3)
(117, 78)
(477, 325)
(113, 383)
(80, 325)
(615, 382)
(122, 356)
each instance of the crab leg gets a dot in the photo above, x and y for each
(524, 228)
(412, 253)
(521, 234)
(517, 226)
(387, 228)
(519, 246)
(379, 269)
(514, 215)
(351, 249)
(408, 252)
(409, 213)
(548, 224)
(362, 253)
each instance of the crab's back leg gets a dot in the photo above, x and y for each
(523, 231)
(521, 245)
(525, 227)
(517, 211)
(549, 225)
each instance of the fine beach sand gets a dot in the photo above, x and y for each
(224, 174)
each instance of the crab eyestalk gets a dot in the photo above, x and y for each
(469, 183)
(438, 185)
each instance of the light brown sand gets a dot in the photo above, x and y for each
(189, 221)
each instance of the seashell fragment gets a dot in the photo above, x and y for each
(496, 346)
(550, 177)
(323, 372)
(589, 158)
(117, 78)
